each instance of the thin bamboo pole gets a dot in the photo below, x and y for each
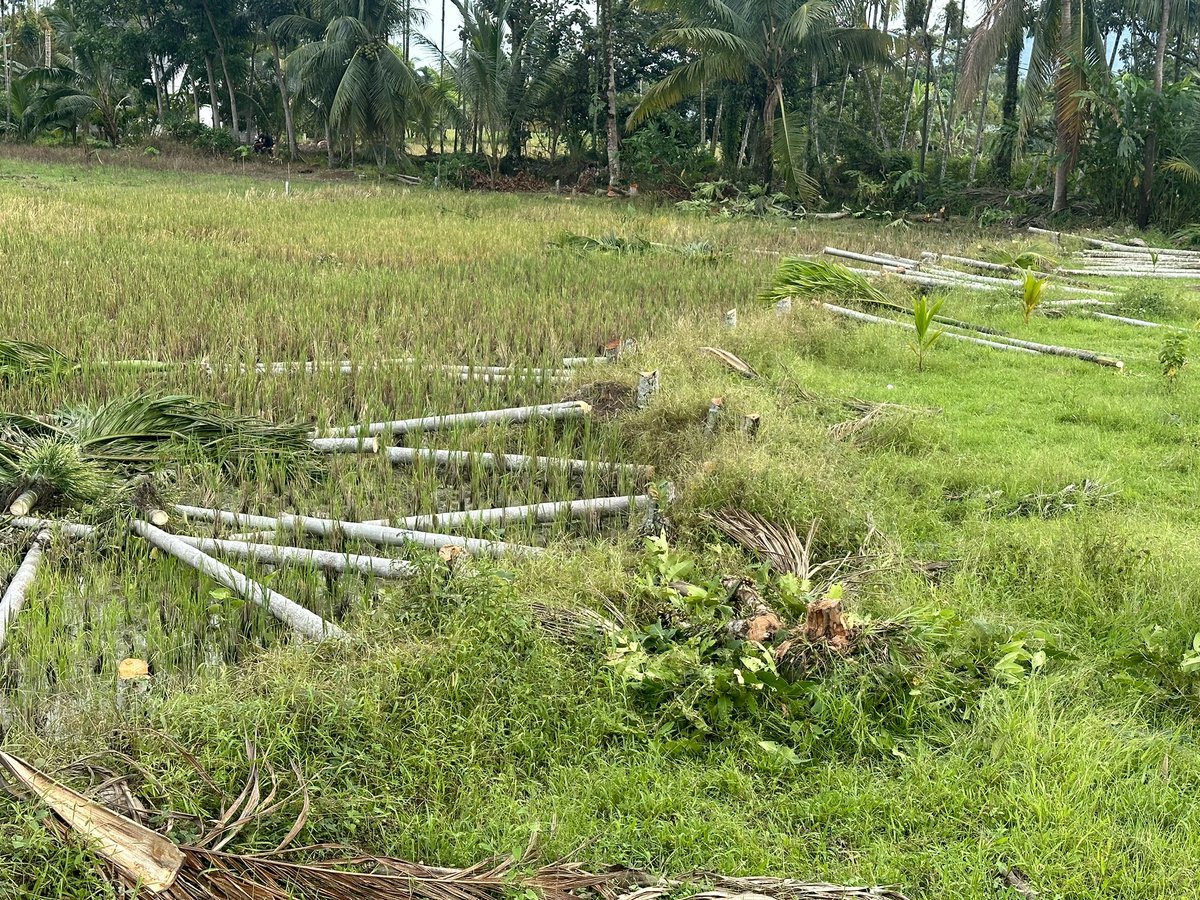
(345, 445)
(1112, 245)
(374, 534)
(898, 265)
(1127, 273)
(1003, 340)
(511, 415)
(512, 462)
(304, 622)
(880, 320)
(1125, 320)
(535, 512)
(18, 589)
(71, 529)
(273, 554)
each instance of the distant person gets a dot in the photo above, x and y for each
(264, 144)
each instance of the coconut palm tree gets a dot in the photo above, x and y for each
(1067, 54)
(764, 42)
(347, 69)
(500, 93)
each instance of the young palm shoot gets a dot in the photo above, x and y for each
(1032, 292)
(924, 314)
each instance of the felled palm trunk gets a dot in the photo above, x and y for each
(14, 596)
(305, 622)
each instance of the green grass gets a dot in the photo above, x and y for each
(452, 727)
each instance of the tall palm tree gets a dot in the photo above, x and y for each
(759, 41)
(1146, 187)
(1067, 53)
(499, 92)
(347, 69)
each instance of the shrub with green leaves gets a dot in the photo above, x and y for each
(1172, 356)
(695, 680)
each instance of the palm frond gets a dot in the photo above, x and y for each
(137, 859)
(609, 243)
(790, 138)
(1184, 169)
(29, 360)
(805, 18)
(779, 545)
(800, 277)
(685, 81)
(1002, 23)
(143, 429)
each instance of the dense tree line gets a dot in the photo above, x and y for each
(1089, 105)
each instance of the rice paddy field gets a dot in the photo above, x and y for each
(1018, 537)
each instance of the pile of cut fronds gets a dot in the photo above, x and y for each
(609, 243)
(27, 360)
(1063, 501)
(874, 419)
(800, 277)
(1031, 261)
(80, 453)
(615, 243)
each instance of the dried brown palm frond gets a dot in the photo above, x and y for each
(575, 625)
(137, 859)
(785, 889)
(871, 415)
(785, 551)
(738, 365)
(778, 545)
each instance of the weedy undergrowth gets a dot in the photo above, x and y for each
(698, 676)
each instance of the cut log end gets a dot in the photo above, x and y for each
(24, 503)
(825, 624)
(585, 408)
(159, 518)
